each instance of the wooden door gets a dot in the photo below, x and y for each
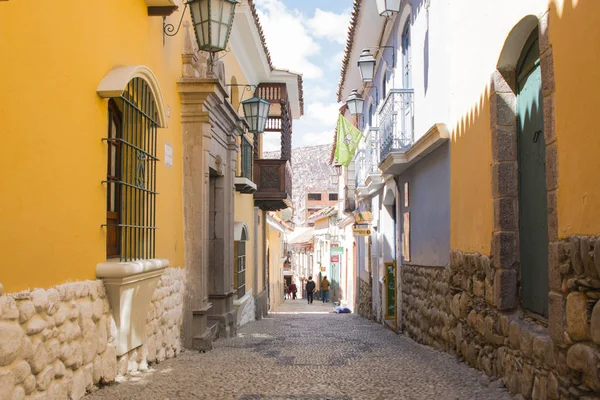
(533, 207)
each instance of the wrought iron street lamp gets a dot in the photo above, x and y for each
(336, 171)
(388, 7)
(366, 66)
(212, 21)
(256, 111)
(355, 103)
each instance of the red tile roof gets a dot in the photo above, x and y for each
(349, 43)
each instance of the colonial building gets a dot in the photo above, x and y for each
(119, 193)
(478, 170)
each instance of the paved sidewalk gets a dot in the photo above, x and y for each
(305, 352)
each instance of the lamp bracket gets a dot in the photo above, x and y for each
(393, 54)
(247, 87)
(169, 29)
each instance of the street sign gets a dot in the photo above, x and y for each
(335, 258)
(337, 250)
(361, 231)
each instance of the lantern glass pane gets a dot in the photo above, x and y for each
(367, 68)
(352, 106)
(359, 106)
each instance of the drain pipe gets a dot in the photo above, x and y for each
(257, 314)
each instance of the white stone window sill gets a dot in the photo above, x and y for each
(117, 269)
(240, 302)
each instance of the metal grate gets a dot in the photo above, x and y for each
(247, 156)
(241, 269)
(131, 178)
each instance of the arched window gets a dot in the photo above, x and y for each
(131, 173)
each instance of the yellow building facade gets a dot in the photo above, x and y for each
(525, 221)
(119, 139)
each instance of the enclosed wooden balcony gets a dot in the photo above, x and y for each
(274, 184)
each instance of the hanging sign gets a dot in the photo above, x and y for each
(361, 230)
(363, 217)
(335, 259)
(337, 250)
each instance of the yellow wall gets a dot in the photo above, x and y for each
(471, 207)
(574, 33)
(52, 158)
(275, 267)
(244, 212)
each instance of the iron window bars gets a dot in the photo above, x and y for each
(131, 177)
(247, 156)
(241, 269)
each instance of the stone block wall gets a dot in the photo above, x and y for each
(458, 309)
(425, 306)
(365, 299)
(58, 343)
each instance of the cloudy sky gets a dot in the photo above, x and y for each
(308, 36)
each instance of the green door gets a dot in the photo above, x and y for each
(533, 207)
(390, 285)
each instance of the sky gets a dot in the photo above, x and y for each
(309, 37)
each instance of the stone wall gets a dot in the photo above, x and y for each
(455, 309)
(425, 305)
(163, 325)
(365, 299)
(58, 343)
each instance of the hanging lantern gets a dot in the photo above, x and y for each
(366, 66)
(256, 111)
(212, 20)
(355, 103)
(388, 7)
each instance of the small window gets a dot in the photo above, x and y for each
(240, 271)
(333, 196)
(314, 196)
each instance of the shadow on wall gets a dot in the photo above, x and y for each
(471, 221)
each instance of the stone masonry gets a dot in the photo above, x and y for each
(58, 343)
(455, 309)
(365, 299)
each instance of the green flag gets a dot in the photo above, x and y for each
(348, 138)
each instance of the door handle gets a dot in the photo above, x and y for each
(536, 136)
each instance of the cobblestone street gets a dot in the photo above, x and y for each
(306, 352)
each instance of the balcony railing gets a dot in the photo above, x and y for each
(396, 122)
(372, 152)
(361, 167)
(274, 184)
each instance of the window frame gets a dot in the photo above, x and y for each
(137, 110)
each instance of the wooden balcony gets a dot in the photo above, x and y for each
(274, 184)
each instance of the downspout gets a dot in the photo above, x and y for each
(255, 280)
(265, 261)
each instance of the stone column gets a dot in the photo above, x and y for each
(209, 126)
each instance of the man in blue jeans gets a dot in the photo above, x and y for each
(325, 288)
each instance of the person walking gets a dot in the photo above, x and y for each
(294, 290)
(285, 289)
(325, 288)
(310, 288)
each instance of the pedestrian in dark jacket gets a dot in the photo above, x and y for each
(310, 288)
(294, 290)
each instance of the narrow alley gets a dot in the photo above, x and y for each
(306, 352)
